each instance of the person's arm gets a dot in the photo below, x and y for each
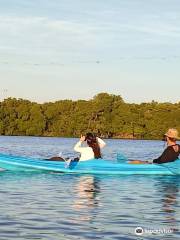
(138, 162)
(164, 157)
(101, 142)
(78, 147)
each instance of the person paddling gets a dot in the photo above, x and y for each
(170, 154)
(93, 150)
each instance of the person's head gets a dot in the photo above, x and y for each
(90, 138)
(171, 135)
(93, 143)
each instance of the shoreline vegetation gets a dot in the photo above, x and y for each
(105, 114)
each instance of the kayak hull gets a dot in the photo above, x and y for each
(16, 163)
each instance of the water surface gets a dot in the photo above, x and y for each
(63, 206)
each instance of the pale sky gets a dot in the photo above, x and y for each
(74, 49)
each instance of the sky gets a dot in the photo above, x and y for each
(73, 49)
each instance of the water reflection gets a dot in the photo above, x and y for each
(169, 187)
(87, 189)
(87, 197)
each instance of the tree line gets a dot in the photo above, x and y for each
(105, 114)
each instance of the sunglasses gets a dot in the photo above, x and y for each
(164, 138)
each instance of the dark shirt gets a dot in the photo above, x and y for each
(169, 155)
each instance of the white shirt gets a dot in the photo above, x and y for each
(87, 152)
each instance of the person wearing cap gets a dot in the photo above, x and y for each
(170, 154)
(93, 148)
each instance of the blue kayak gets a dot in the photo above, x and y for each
(94, 166)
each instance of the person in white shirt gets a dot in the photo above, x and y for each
(93, 148)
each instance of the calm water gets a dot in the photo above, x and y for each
(60, 206)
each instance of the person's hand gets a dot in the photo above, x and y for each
(82, 139)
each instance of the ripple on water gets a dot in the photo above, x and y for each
(62, 206)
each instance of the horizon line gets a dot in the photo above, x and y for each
(88, 99)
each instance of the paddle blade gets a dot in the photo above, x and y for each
(121, 157)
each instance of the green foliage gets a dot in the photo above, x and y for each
(105, 114)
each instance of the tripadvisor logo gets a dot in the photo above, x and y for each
(139, 231)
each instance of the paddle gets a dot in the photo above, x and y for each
(71, 163)
(121, 157)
